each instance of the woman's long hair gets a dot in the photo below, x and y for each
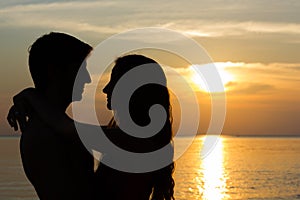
(140, 102)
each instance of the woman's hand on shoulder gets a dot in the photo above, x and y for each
(19, 113)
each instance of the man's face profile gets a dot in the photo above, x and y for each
(78, 85)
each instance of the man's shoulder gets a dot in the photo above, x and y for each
(37, 133)
(40, 137)
(35, 125)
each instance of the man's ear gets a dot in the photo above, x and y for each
(52, 72)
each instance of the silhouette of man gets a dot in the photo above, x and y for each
(58, 167)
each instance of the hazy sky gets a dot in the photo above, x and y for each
(255, 45)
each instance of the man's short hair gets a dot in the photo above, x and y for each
(55, 50)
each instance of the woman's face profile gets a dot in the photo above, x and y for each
(108, 89)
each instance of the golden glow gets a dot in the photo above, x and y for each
(213, 180)
(226, 77)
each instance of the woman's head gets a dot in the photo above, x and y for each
(146, 95)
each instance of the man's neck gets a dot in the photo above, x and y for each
(56, 100)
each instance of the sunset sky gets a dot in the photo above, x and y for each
(254, 44)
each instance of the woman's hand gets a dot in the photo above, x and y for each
(19, 113)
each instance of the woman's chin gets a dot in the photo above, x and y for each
(108, 106)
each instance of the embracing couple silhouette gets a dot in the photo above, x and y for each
(54, 158)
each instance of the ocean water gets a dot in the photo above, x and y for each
(237, 168)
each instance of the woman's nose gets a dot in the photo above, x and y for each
(105, 89)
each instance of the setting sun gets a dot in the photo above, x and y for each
(200, 83)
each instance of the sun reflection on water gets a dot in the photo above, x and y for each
(212, 184)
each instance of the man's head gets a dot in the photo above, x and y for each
(54, 60)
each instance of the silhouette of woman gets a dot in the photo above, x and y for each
(159, 183)
(111, 183)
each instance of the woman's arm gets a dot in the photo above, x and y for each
(58, 120)
(93, 136)
(29, 99)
